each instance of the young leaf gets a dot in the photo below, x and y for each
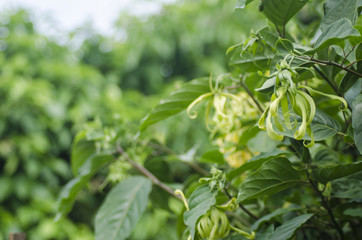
(242, 3)
(281, 11)
(122, 209)
(348, 187)
(287, 230)
(177, 101)
(272, 177)
(326, 174)
(201, 200)
(284, 46)
(337, 9)
(357, 122)
(268, 217)
(256, 162)
(213, 156)
(69, 192)
(81, 150)
(335, 33)
(248, 62)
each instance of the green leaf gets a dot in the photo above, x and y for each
(273, 176)
(284, 46)
(267, 86)
(122, 209)
(242, 3)
(268, 217)
(281, 11)
(335, 33)
(255, 162)
(248, 62)
(81, 150)
(301, 150)
(337, 9)
(326, 174)
(213, 156)
(287, 230)
(353, 212)
(177, 101)
(357, 122)
(323, 127)
(69, 192)
(348, 187)
(201, 200)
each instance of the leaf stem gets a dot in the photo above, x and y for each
(147, 173)
(325, 205)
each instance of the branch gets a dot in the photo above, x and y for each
(147, 173)
(346, 56)
(322, 62)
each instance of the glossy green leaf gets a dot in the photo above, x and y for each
(337, 9)
(353, 212)
(213, 156)
(69, 192)
(357, 122)
(273, 176)
(268, 217)
(281, 11)
(122, 209)
(177, 101)
(242, 3)
(81, 150)
(348, 187)
(248, 62)
(326, 174)
(255, 162)
(201, 200)
(287, 230)
(335, 33)
(301, 150)
(284, 46)
(267, 86)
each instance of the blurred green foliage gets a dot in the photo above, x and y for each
(48, 91)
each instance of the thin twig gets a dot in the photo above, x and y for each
(147, 173)
(349, 65)
(345, 56)
(326, 206)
